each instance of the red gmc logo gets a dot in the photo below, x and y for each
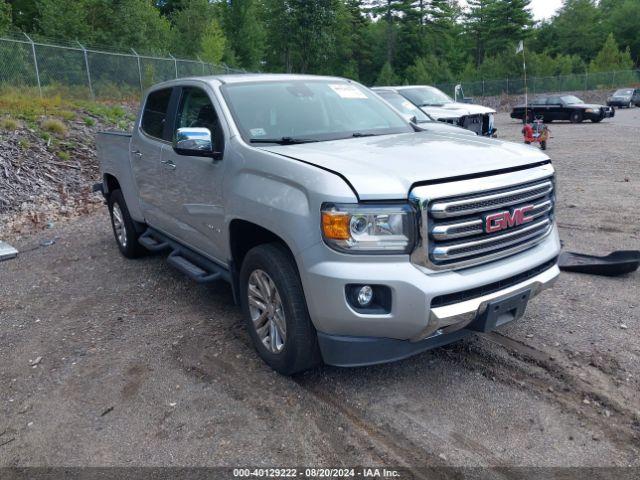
(502, 220)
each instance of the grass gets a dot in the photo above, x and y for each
(53, 125)
(64, 156)
(24, 144)
(9, 124)
(25, 104)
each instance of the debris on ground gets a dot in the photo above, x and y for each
(7, 251)
(35, 362)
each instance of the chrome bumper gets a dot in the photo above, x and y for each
(450, 318)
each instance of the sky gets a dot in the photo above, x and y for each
(544, 8)
(541, 9)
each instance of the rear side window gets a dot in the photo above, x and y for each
(154, 116)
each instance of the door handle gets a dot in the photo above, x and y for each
(136, 153)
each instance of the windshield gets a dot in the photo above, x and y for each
(405, 107)
(624, 92)
(300, 111)
(426, 96)
(571, 100)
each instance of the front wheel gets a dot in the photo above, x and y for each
(576, 117)
(275, 310)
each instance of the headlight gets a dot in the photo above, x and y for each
(373, 229)
(592, 110)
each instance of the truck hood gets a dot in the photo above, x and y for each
(455, 110)
(386, 167)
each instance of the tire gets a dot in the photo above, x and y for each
(298, 350)
(124, 227)
(576, 117)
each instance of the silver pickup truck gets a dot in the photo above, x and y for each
(348, 234)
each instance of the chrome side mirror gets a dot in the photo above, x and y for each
(195, 142)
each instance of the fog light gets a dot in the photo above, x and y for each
(365, 295)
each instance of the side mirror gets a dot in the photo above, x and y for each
(195, 142)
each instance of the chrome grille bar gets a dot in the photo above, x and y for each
(491, 243)
(468, 228)
(467, 206)
(454, 217)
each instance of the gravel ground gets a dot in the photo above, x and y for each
(110, 362)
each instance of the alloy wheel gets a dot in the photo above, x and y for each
(266, 310)
(119, 226)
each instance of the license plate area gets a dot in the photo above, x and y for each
(501, 311)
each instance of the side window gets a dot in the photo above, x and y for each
(196, 110)
(554, 101)
(154, 116)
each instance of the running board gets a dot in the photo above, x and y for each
(151, 243)
(194, 265)
(178, 259)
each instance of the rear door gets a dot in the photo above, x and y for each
(146, 148)
(192, 193)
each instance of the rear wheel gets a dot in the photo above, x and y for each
(576, 117)
(275, 310)
(124, 228)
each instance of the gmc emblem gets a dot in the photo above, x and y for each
(502, 220)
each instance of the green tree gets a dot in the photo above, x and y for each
(387, 76)
(622, 18)
(5, 16)
(610, 58)
(576, 29)
(301, 34)
(212, 44)
(188, 25)
(244, 31)
(24, 14)
(123, 24)
(429, 69)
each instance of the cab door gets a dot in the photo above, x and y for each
(192, 193)
(146, 150)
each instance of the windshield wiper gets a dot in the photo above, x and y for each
(282, 140)
(360, 134)
(432, 104)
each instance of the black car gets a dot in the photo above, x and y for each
(625, 97)
(562, 107)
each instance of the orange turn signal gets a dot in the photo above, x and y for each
(335, 225)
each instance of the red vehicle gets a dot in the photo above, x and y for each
(536, 132)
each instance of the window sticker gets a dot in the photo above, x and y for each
(408, 105)
(257, 132)
(344, 90)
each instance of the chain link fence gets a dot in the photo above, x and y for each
(535, 85)
(89, 73)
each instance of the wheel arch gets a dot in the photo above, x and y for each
(243, 236)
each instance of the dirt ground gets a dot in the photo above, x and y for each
(110, 362)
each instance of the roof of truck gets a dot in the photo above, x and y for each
(249, 77)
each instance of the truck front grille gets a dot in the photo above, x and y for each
(456, 232)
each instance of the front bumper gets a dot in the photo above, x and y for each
(352, 351)
(607, 112)
(326, 273)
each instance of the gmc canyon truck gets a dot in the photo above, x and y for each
(348, 234)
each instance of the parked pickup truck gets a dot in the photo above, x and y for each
(442, 107)
(348, 235)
